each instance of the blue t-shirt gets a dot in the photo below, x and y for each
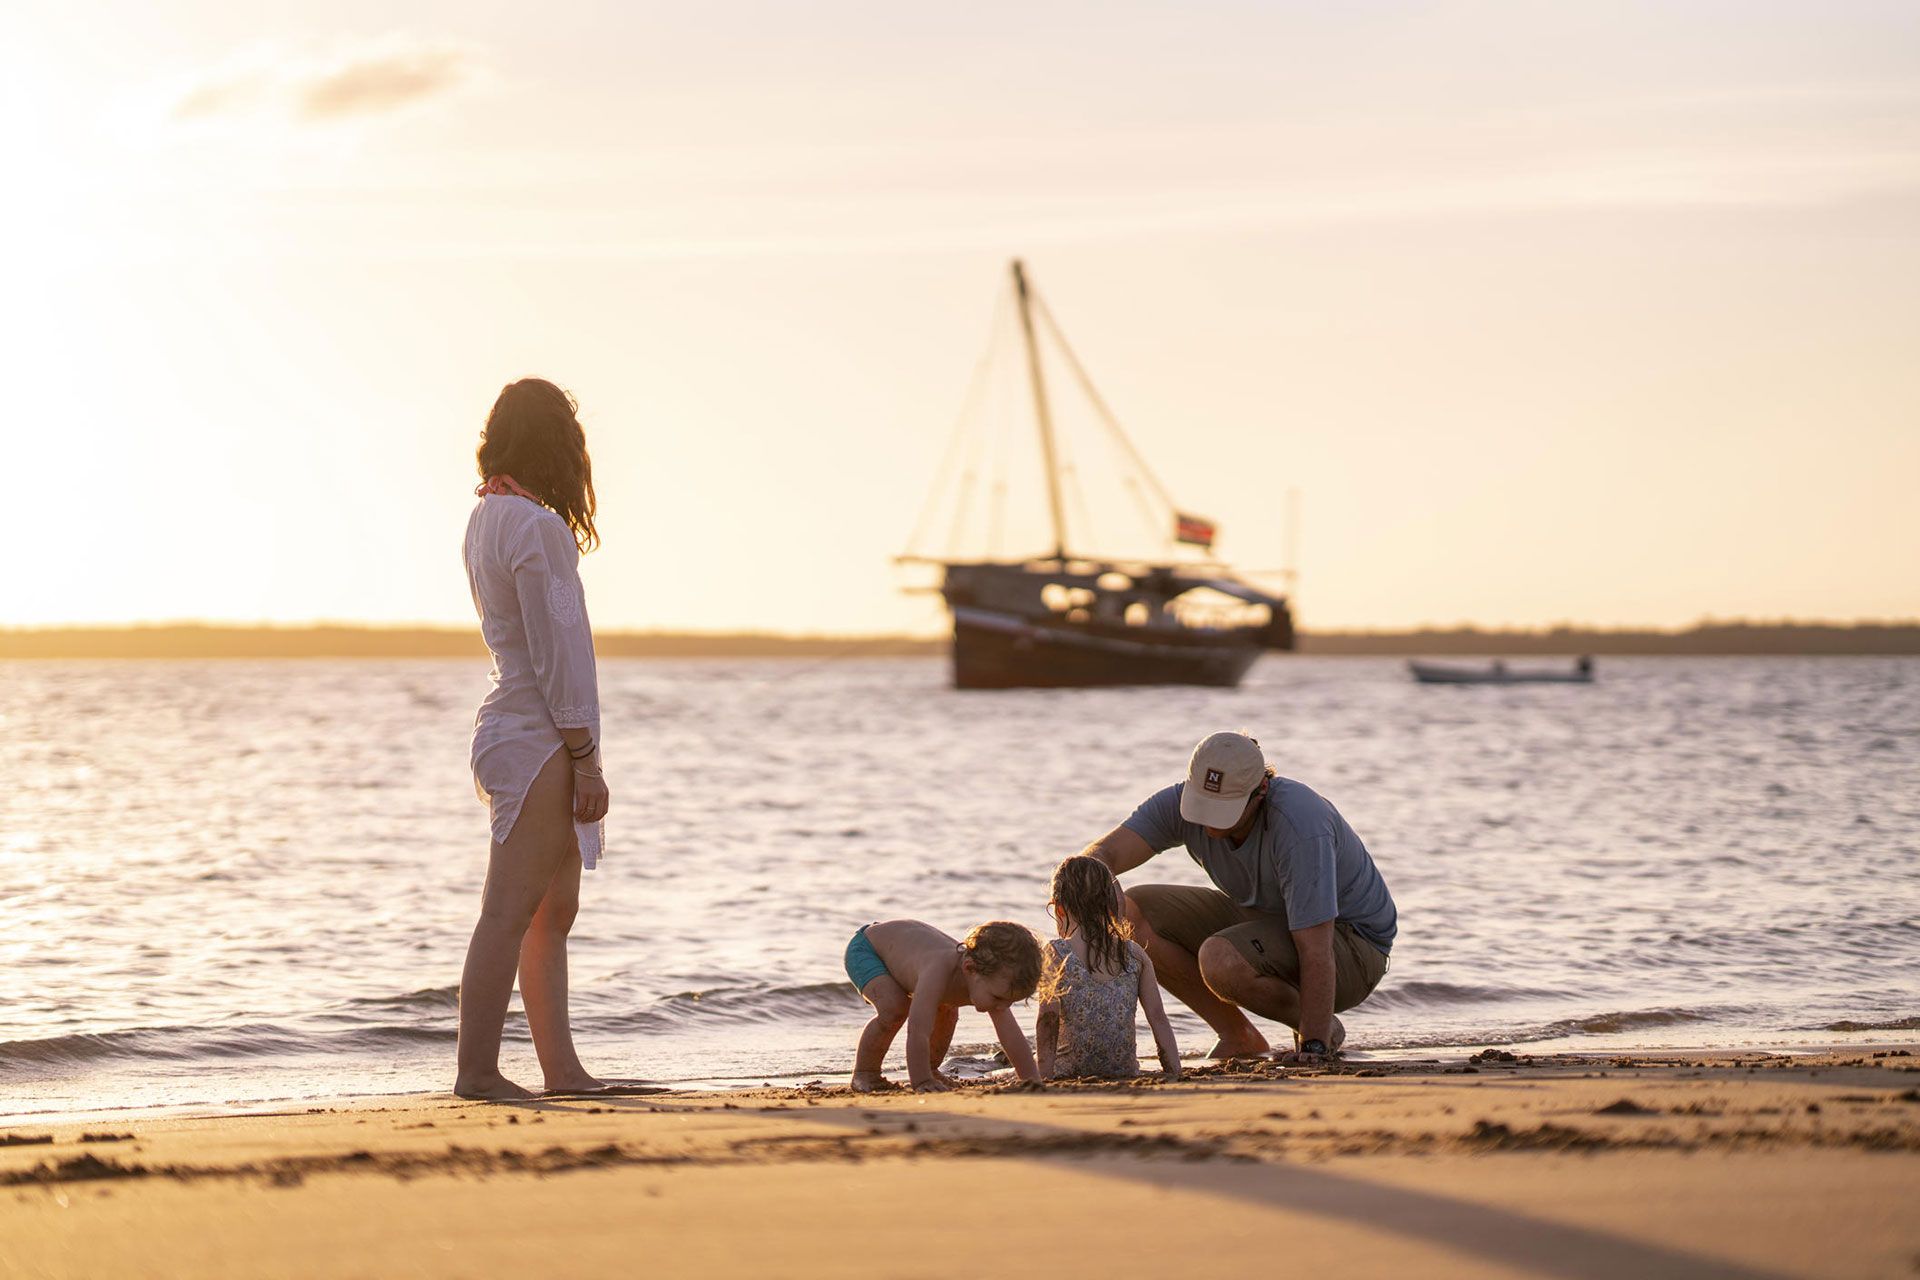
(1301, 858)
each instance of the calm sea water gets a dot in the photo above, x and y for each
(232, 881)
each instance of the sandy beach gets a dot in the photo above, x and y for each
(1659, 1165)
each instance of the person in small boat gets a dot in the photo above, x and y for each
(1096, 974)
(1299, 924)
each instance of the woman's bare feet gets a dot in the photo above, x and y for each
(577, 1083)
(491, 1088)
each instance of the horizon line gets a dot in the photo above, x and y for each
(1704, 623)
(217, 642)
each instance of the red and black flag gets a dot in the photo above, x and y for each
(1196, 530)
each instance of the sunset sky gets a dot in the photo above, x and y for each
(1599, 312)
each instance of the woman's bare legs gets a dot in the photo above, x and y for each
(543, 980)
(520, 873)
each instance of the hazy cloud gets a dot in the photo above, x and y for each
(382, 82)
(371, 79)
(221, 96)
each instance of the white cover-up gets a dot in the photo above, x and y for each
(523, 567)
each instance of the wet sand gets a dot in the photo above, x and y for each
(1655, 1165)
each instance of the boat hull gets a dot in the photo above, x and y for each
(1432, 673)
(1003, 651)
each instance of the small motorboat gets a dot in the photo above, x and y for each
(1499, 673)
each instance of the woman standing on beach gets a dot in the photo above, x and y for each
(536, 740)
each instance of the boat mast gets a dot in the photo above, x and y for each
(1041, 413)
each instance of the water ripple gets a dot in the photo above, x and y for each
(1688, 851)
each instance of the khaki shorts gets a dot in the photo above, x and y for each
(1187, 917)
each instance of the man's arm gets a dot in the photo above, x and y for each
(1315, 946)
(1121, 849)
(1014, 1041)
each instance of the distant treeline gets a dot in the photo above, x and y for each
(1706, 639)
(192, 641)
(198, 641)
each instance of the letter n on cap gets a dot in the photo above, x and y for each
(1213, 780)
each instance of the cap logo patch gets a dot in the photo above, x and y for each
(1213, 780)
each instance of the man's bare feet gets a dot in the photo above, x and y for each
(870, 1082)
(1224, 1050)
(491, 1088)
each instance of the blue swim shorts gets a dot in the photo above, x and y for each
(863, 962)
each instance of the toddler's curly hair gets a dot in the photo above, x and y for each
(1001, 948)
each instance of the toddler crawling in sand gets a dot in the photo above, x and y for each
(914, 975)
(1096, 973)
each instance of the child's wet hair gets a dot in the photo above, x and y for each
(1086, 890)
(1002, 949)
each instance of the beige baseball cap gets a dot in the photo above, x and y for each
(1224, 771)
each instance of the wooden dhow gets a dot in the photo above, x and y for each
(1066, 618)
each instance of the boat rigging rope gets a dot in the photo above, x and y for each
(974, 449)
(1153, 522)
(1100, 405)
(969, 406)
(1071, 474)
(1003, 426)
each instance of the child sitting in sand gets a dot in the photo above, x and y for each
(913, 974)
(1096, 973)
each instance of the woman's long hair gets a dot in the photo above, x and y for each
(1085, 889)
(533, 434)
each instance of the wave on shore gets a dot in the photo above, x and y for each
(826, 1011)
